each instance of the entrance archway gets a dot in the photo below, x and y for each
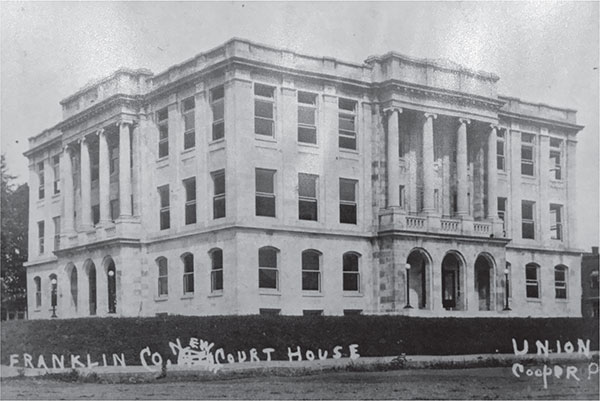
(453, 294)
(483, 281)
(419, 272)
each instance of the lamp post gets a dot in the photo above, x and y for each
(506, 271)
(111, 289)
(53, 281)
(407, 267)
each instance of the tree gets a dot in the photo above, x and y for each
(14, 236)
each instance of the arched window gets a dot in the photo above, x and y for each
(311, 274)
(560, 281)
(74, 288)
(351, 275)
(267, 268)
(38, 292)
(188, 273)
(163, 277)
(532, 280)
(216, 274)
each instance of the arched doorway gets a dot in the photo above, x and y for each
(92, 296)
(483, 281)
(453, 296)
(73, 284)
(111, 279)
(418, 277)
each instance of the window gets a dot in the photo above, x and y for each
(264, 110)
(402, 196)
(218, 194)
(307, 197)
(163, 277)
(351, 278)
(38, 292)
(532, 281)
(267, 268)
(502, 212)
(56, 221)
(114, 160)
(41, 237)
(96, 214)
(500, 148)
(311, 275)
(527, 220)
(56, 169)
(190, 200)
(556, 221)
(42, 181)
(352, 312)
(94, 166)
(163, 132)
(216, 273)
(189, 123)
(594, 280)
(347, 201)
(217, 105)
(269, 312)
(165, 213)
(114, 209)
(265, 192)
(312, 312)
(560, 282)
(347, 124)
(555, 158)
(527, 152)
(188, 273)
(307, 121)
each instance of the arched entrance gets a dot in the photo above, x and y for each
(483, 281)
(90, 269)
(418, 274)
(72, 272)
(111, 279)
(453, 296)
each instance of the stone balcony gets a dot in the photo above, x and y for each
(397, 219)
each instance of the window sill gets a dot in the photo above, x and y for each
(312, 294)
(187, 153)
(215, 142)
(216, 294)
(188, 296)
(353, 294)
(264, 138)
(534, 300)
(308, 145)
(349, 154)
(528, 177)
(161, 299)
(562, 300)
(163, 161)
(269, 292)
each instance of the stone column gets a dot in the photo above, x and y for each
(461, 168)
(428, 206)
(104, 178)
(86, 186)
(393, 157)
(492, 179)
(124, 170)
(68, 197)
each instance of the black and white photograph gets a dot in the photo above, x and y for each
(294, 200)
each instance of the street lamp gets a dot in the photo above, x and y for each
(506, 271)
(53, 281)
(407, 267)
(111, 291)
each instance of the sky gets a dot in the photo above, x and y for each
(543, 52)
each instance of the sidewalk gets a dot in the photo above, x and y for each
(362, 363)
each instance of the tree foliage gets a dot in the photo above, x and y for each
(15, 218)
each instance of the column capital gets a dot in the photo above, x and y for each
(428, 115)
(494, 127)
(465, 121)
(389, 110)
(120, 123)
(99, 132)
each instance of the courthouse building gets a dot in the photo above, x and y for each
(251, 179)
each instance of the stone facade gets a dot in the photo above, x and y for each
(250, 180)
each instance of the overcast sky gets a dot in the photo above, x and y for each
(543, 52)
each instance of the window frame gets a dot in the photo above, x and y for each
(218, 125)
(216, 271)
(266, 100)
(556, 225)
(561, 287)
(262, 269)
(307, 273)
(261, 196)
(347, 272)
(56, 170)
(557, 165)
(527, 221)
(37, 281)
(188, 273)
(501, 150)
(220, 197)
(190, 202)
(162, 265)
(347, 115)
(189, 132)
(41, 180)
(532, 283)
(163, 128)
(306, 199)
(310, 107)
(164, 203)
(529, 145)
(41, 236)
(56, 221)
(344, 203)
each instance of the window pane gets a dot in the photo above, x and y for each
(263, 127)
(265, 206)
(163, 114)
(347, 123)
(219, 183)
(218, 131)
(217, 93)
(267, 257)
(189, 104)
(559, 274)
(347, 190)
(164, 196)
(217, 280)
(528, 230)
(526, 153)
(163, 286)
(307, 135)
(310, 281)
(350, 262)
(163, 132)
(306, 115)
(190, 213)
(347, 143)
(190, 189)
(532, 291)
(165, 219)
(527, 210)
(527, 138)
(217, 259)
(263, 90)
(307, 185)
(218, 111)
(188, 263)
(310, 260)
(307, 210)
(162, 267)
(188, 121)
(264, 181)
(348, 214)
(263, 109)
(163, 149)
(531, 273)
(350, 282)
(267, 278)
(346, 104)
(219, 208)
(307, 98)
(527, 169)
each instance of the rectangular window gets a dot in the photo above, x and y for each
(217, 105)
(94, 166)
(41, 228)
(348, 201)
(42, 181)
(267, 268)
(163, 132)
(188, 273)
(96, 214)
(190, 200)
(216, 274)
(163, 277)
(189, 123)
(402, 196)
(218, 194)
(269, 312)
(56, 168)
(556, 221)
(556, 158)
(265, 192)
(500, 148)
(165, 203)
(502, 212)
(114, 160)
(527, 219)
(307, 117)
(312, 312)
(532, 281)
(264, 110)
(38, 292)
(56, 221)
(527, 154)
(347, 124)
(560, 282)
(114, 209)
(307, 197)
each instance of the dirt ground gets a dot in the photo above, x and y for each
(482, 383)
